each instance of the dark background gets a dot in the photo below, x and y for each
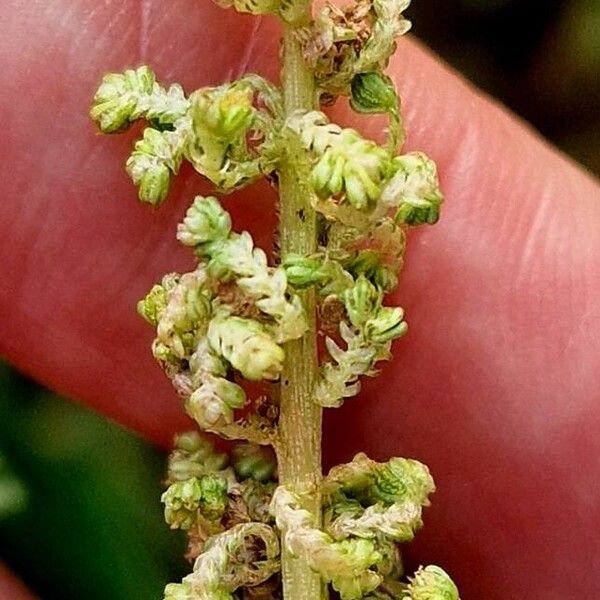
(69, 479)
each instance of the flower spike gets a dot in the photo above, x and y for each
(238, 334)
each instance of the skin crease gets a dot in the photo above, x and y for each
(496, 386)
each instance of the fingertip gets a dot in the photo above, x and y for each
(11, 588)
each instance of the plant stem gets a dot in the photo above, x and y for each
(299, 443)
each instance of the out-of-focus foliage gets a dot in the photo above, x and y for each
(92, 525)
(13, 495)
(540, 57)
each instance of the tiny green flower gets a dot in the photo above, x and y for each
(151, 176)
(354, 580)
(254, 7)
(371, 482)
(234, 256)
(364, 263)
(205, 221)
(373, 500)
(361, 301)
(329, 275)
(213, 497)
(115, 102)
(205, 362)
(351, 165)
(303, 271)
(346, 163)
(431, 583)
(401, 479)
(156, 156)
(165, 107)
(373, 93)
(253, 461)
(179, 591)
(191, 442)
(181, 501)
(150, 307)
(184, 500)
(213, 402)
(183, 321)
(247, 346)
(414, 189)
(385, 279)
(208, 409)
(387, 325)
(231, 393)
(346, 564)
(340, 381)
(224, 112)
(163, 354)
(194, 456)
(125, 97)
(228, 562)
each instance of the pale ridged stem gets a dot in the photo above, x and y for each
(299, 442)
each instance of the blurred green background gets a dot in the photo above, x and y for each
(540, 57)
(79, 496)
(80, 515)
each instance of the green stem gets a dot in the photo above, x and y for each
(299, 441)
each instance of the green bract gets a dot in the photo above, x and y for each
(237, 334)
(373, 93)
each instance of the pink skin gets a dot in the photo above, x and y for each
(496, 386)
(11, 588)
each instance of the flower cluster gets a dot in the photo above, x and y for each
(367, 197)
(368, 508)
(211, 129)
(206, 495)
(232, 314)
(355, 173)
(352, 40)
